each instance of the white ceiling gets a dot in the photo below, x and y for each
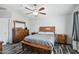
(50, 9)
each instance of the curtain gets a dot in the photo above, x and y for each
(75, 33)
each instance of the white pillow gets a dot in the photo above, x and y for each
(45, 32)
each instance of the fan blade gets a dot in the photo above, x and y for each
(28, 8)
(42, 8)
(28, 13)
(42, 13)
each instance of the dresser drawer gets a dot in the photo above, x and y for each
(1, 47)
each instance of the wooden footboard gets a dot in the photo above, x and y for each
(41, 49)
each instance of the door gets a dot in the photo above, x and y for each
(4, 30)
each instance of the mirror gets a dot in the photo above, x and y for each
(19, 24)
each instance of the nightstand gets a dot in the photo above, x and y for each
(61, 38)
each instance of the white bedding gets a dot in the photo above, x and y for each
(44, 39)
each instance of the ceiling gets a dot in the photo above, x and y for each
(50, 9)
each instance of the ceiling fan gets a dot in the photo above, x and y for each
(35, 11)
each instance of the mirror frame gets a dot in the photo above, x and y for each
(19, 22)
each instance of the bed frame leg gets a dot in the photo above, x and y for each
(22, 47)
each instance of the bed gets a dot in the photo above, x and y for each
(42, 42)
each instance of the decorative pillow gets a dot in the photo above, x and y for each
(46, 33)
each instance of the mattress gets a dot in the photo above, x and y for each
(44, 39)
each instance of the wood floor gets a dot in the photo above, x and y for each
(17, 49)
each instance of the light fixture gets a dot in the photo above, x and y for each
(35, 13)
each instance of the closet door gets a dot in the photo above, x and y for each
(4, 30)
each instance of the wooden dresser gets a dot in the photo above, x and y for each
(19, 34)
(1, 47)
(61, 38)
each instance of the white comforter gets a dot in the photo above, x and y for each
(44, 39)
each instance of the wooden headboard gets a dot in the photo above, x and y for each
(47, 29)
